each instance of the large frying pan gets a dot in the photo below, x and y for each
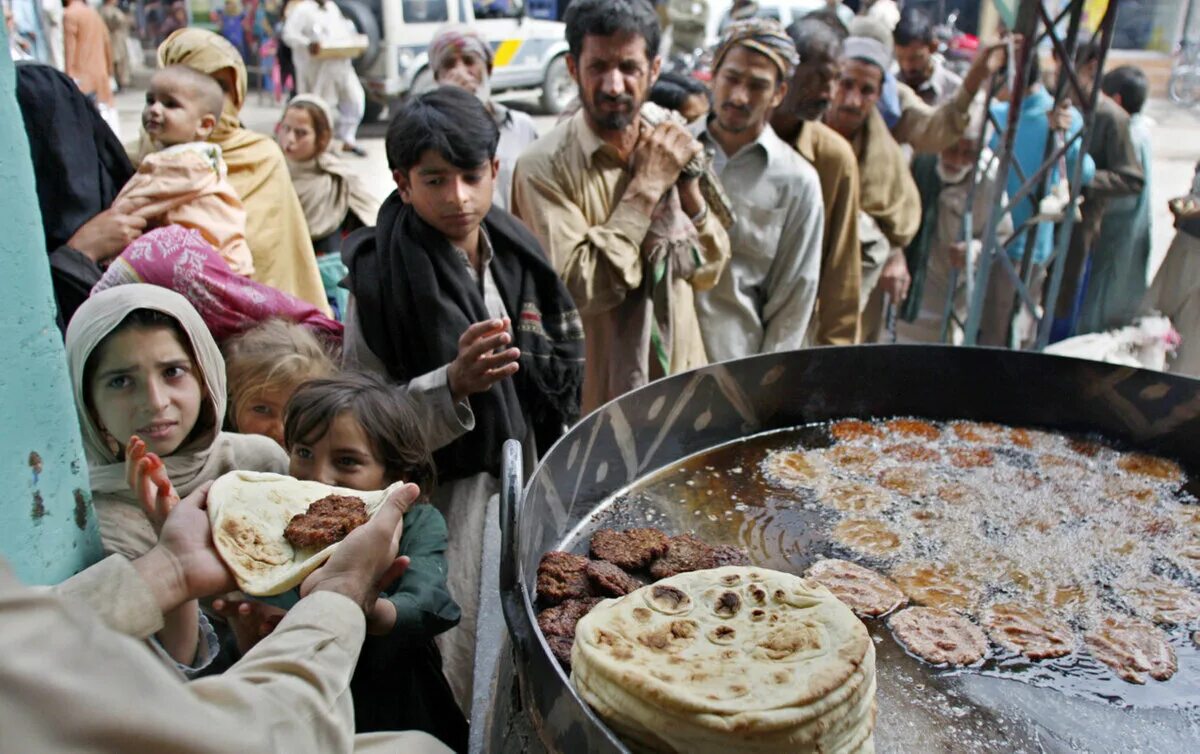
(687, 413)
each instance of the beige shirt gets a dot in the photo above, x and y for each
(88, 51)
(74, 677)
(931, 129)
(764, 301)
(837, 320)
(567, 188)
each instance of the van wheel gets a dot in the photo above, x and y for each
(558, 90)
(373, 110)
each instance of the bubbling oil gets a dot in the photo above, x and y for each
(974, 515)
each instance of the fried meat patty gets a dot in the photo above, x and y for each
(611, 580)
(631, 549)
(685, 553)
(326, 522)
(562, 576)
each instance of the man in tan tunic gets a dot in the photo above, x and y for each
(890, 203)
(603, 193)
(798, 121)
(88, 51)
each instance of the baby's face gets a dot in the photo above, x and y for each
(173, 113)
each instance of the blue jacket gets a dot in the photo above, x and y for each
(1029, 149)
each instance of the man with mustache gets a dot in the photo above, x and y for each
(607, 195)
(797, 121)
(764, 301)
(889, 202)
(932, 81)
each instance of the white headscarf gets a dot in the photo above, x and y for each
(124, 528)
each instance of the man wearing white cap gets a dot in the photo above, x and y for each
(889, 201)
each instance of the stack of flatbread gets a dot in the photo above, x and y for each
(249, 512)
(730, 659)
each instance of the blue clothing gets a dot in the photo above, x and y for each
(231, 28)
(1028, 151)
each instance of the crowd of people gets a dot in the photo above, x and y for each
(235, 302)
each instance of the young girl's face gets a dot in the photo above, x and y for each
(146, 384)
(342, 457)
(297, 135)
(262, 413)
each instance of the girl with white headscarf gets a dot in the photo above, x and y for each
(142, 361)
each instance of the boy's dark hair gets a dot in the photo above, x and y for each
(672, 90)
(386, 416)
(1129, 82)
(603, 18)
(1087, 51)
(914, 26)
(450, 121)
(815, 39)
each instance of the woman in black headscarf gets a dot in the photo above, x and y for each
(79, 167)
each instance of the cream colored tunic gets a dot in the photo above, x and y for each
(567, 188)
(75, 677)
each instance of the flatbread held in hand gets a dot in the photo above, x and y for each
(249, 512)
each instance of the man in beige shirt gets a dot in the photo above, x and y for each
(74, 677)
(798, 121)
(890, 205)
(604, 195)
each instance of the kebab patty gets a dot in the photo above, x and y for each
(562, 576)
(632, 549)
(326, 522)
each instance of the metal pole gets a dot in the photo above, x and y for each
(1027, 23)
(1105, 35)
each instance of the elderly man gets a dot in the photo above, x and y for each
(606, 194)
(797, 120)
(890, 204)
(765, 300)
(460, 57)
(944, 181)
(75, 648)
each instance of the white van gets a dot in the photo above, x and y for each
(529, 53)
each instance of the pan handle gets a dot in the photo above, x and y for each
(511, 482)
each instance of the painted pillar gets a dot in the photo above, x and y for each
(47, 526)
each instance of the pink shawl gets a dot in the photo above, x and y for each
(180, 259)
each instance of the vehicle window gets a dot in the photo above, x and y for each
(418, 11)
(498, 8)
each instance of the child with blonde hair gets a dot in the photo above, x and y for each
(265, 365)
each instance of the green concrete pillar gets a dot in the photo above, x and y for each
(47, 526)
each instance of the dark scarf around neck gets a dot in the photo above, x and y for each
(415, 298)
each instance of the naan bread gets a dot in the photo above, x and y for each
(729, 659)
(249, 511)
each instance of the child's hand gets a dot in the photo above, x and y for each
(477, 366)
(250, 621)
(147, 477)
(382, 617)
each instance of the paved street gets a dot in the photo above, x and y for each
(1175, 146)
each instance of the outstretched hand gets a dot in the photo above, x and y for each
(147, 477)
(478, 365)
